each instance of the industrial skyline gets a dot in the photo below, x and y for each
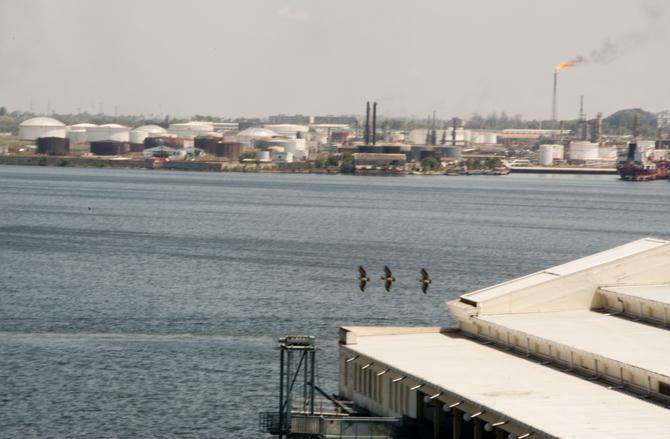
(258, 57)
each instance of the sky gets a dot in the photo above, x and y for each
(253, 58)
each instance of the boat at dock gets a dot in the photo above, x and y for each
(643, 162)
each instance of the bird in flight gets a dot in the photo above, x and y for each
(363, 278)
(425, 281)
(388, 278)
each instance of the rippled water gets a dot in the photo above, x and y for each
(155, 312)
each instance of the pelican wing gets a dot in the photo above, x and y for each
(387, 271)
(387, 285)
(362, 284)
(424, 274)
(361, 271)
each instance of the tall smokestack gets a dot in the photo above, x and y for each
(553, 102)
(366, 136)
(599, 127)
(374, 123)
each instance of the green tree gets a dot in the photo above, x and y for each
(347, 165)
(331, 161)
(430, 163)
(3, 111)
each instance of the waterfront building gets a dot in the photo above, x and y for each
(578, 350)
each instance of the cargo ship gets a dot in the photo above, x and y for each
(643, 162)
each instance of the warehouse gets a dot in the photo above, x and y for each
(571, 351)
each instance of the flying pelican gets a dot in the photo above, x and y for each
(388, 278)
(363, 278)
(425, 281)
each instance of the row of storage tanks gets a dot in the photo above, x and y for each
(118, 139)
(38, 127)
(418, 136)
(577, 150)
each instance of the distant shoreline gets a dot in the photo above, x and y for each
(200, 166)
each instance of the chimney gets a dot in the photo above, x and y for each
(599, 128)
(553, 102)
(366, 136)
(374, 123)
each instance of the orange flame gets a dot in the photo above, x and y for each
(566, 64)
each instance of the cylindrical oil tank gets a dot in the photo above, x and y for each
(109, 133)
(546, 155)
(109, 147)
(583, 151)
(418, 136)
(37, 127)
(559, 152)
(207, 143)
(137, 135)
(607, 153)
(169, 140)
(77, 133)
(230, 150)
(53, 145)
(288, 130)
(263, 155)
(191, 129)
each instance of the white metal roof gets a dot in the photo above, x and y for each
(150, 129)
(257, 132)
(657, 293)
(549, 400)
(571, 267)
(628, 342)
(41, 122)
(111, 125)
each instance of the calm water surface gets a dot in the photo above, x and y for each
(155, 312)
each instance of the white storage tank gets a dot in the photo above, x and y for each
(559, 152)
(36, 127)
(263, 155)
(580, 150)
(191, 129)
(607, 153)
(137, 135)
(77, 132)
(109, 132)
(546, 155)
(289, 130)
(250, 135)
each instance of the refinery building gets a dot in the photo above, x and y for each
(579, 350)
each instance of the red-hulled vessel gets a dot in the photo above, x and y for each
(643, 162)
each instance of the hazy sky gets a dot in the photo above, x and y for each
(255, 58)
